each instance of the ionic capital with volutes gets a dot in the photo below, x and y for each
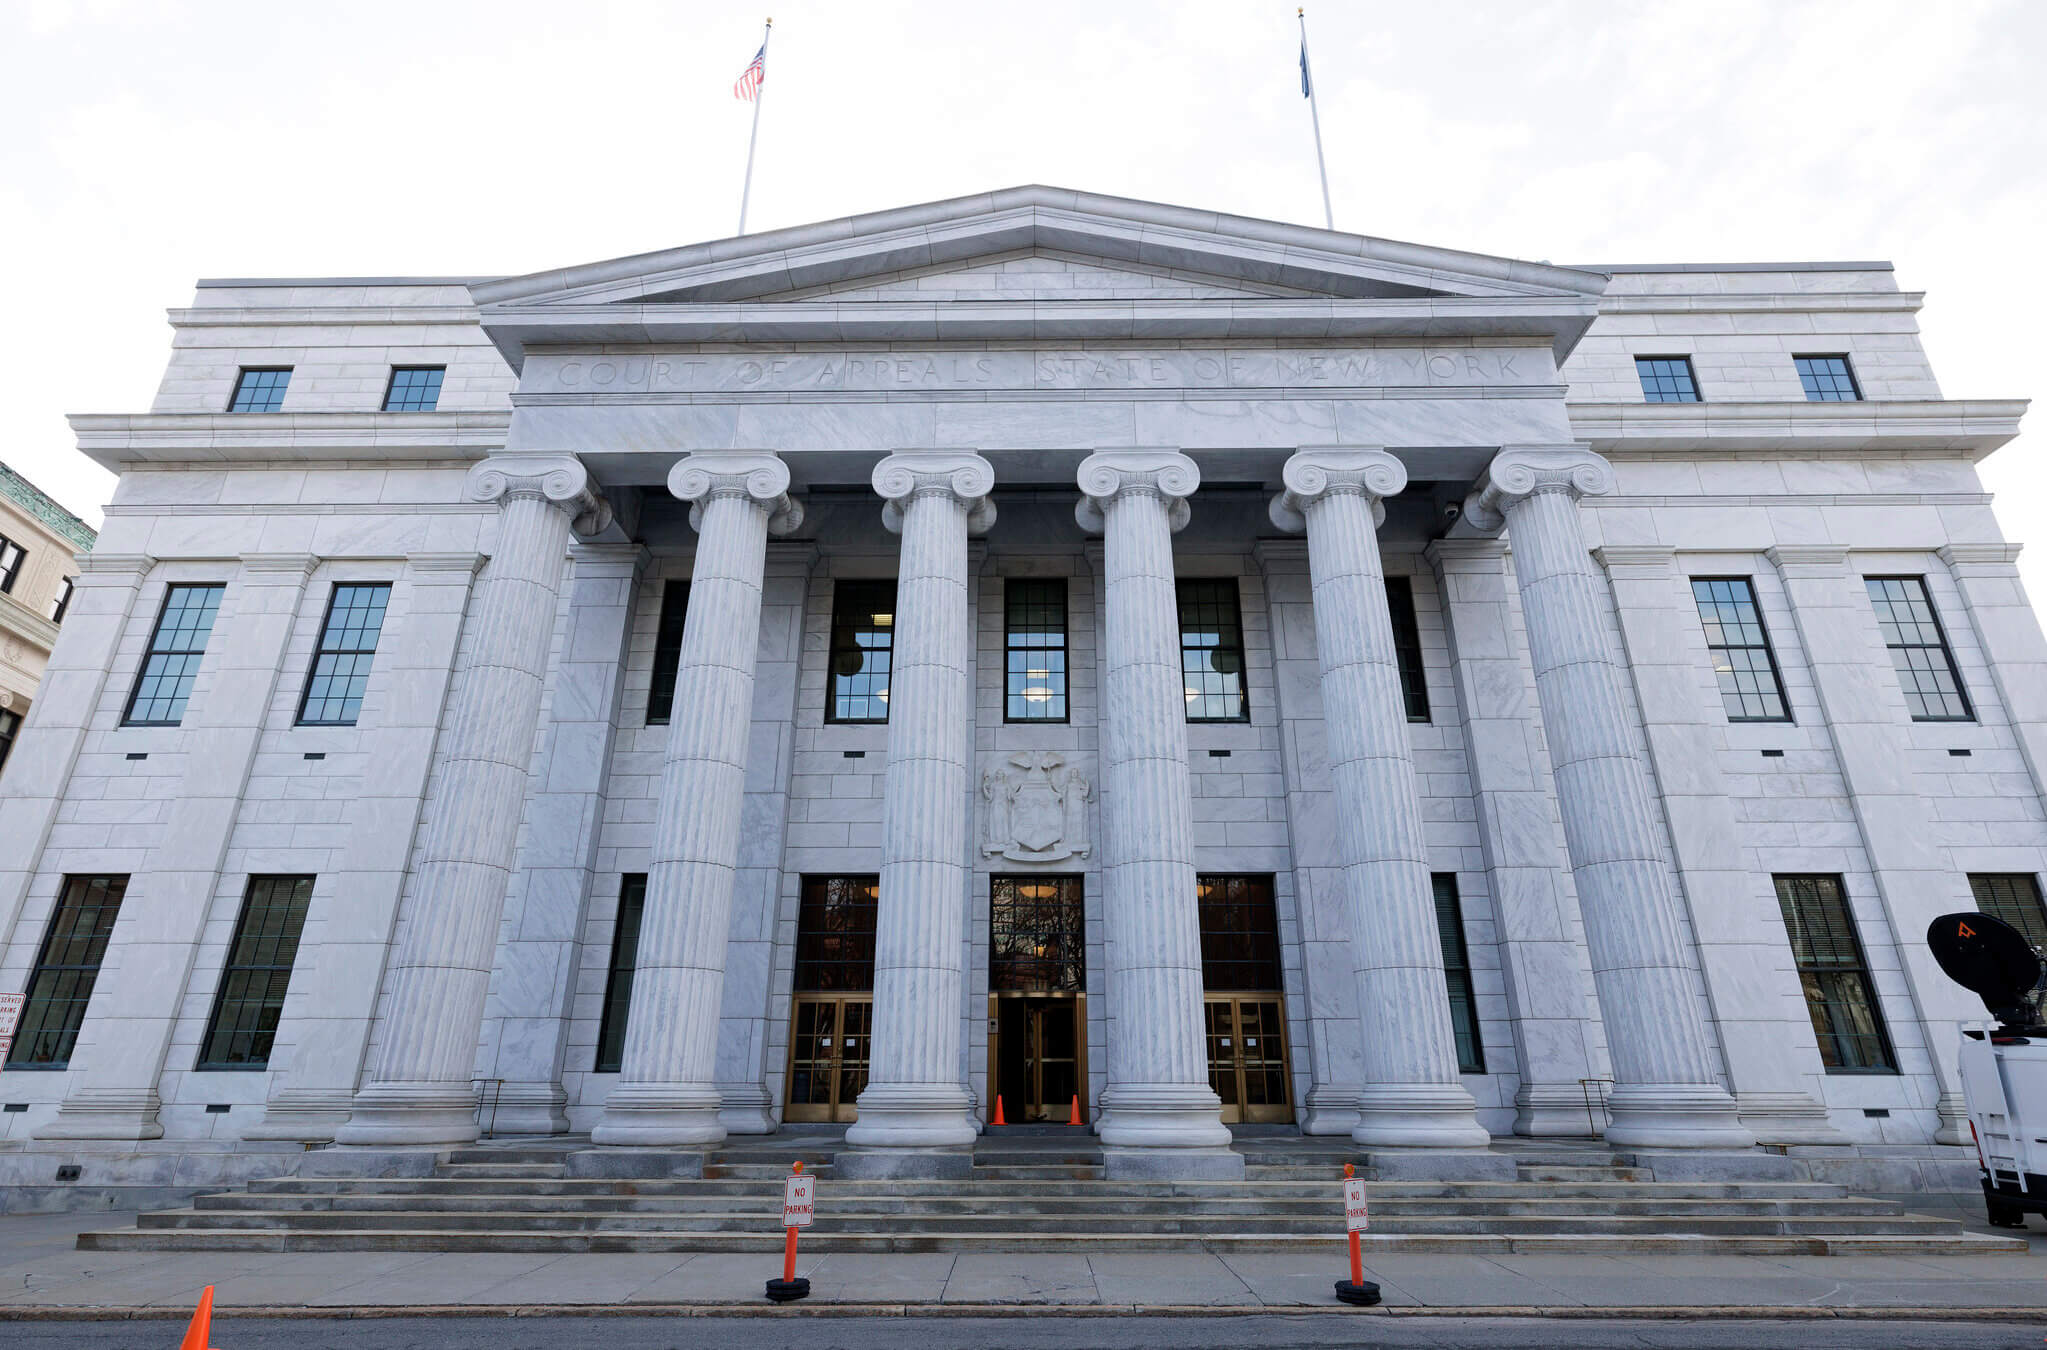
(1107, 474)
(915, 473)
(558, 479)
(1519, 472)
(1315, 472)
(760, 476)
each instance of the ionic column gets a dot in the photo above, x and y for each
(667, 1088)
(1412, 1095)
(913, 1099)
(1667, 1090)
(419, 1092)
(1158, 1097)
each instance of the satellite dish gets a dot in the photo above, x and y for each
(1991, 959)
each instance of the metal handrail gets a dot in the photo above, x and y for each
(493, 1090)
(1596, 1126)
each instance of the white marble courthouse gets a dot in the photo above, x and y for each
(1036, 646)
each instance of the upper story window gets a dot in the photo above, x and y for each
(1407, 648)
(1750, 688)
(260, 389)
(667, 651)
(1667, 379)
(1034, 650)
(1827, 379)
(172, 661)
(1212, 650)
(863, 643)
(10, 725)
(348, 646)
(11, 557)
(1926, 667)
(414, 388)
(2015, 898)
(62, 603)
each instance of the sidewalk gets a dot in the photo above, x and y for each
(41, 1274)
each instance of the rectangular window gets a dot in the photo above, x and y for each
(863, 642)
(260, 389)
(1667, 379)
(175, 649)
(1212, 651)
(66, 969)
(258, 971)
(618, 982)
(1407, 648)
(348, 646)
(62, 604)
(2015, 898)
(414, 388)
(1926, 667)
(1827, 379)
(10, 727)
(1034, 648)
(667, 652)
(1750, 688)
(1835, 977)
(1037, 936)
(835, 934)
(11, 557)
(1239, 933)
(1457, 974)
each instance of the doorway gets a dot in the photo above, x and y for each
(833, 1010)
(1037, 1007)
(1244, 1010)
(1039, 1052)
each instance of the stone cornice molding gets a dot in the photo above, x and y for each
(97, 568)
(464, 563)
(558, 479)
(1470, 555)
(758, 475)
(916, 473)
(117, 441)
(281, 563)
(1993, 559)
(1314, 472)
(1638, 560)
(18, 618)
(612, 559)
(1761, 429)
(1108, 474)
(1280, 556)
(1808, 560)
(1519, 472)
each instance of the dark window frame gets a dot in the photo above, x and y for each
(1015, 683)
(391, 390)
(1407, 647)
(1457, 979)
(838, 957)
(10, 730)
(668, 630)
(1821, 981)
(1817, 383)
(1057, 921)
(265, 389)
(618, 975)
(67, 587)
(853, 596)
(10, 571)
(186, 677)
(1941, 644)
(2022, 906)
(1209, 653)
(1715, 649)
(274, 976)
(1651, 377)
(321, 651)
(46, 974)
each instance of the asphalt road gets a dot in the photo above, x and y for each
(1028, 1332)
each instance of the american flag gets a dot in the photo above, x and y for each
(748, 85)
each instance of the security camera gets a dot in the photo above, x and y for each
(1452, 513)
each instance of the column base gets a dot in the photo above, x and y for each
(1162, 1116)
(308, 1116)
(1954, 1120)
(1557, 1111)
(106, 1113)
(745, 1108)
(1787, 1118)
(912, 1116)
(660, 1115)
(526, 1108)
(1675, 1115)
(1172, 1164)
(411, 1113)
(1330, 1108)
(1418, 1115)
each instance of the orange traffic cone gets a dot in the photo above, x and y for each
(202, 1323)
(1074, 1117)
(998, 1110)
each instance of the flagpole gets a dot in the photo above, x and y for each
(760, 94)
(1307, 78)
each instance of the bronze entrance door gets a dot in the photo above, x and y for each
(1039, 1051)
(833, 1010)
(1247, 1057)
(828, 1056)
(1037, 1010)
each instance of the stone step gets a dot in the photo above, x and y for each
(1066, 1172)
(465, 1156)
(760, 1171)
(1556, 1172)
(496, 1169)
(1319, 1248)
(989, 1157)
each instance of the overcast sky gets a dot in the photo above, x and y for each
(149, 144)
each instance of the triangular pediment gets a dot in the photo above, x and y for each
(1037, 274)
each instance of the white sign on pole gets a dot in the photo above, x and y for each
(10, 1013)
(1355, 1214)
(799, 1201)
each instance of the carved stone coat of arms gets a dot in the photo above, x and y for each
(1034, 807)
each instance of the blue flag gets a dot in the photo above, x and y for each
(1306, 91)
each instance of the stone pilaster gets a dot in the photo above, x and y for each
(1523, 846)
(1411, 1094)
(914, 1099)
(667, 1090)
(1667, 1090)
(1159, 1115)
(1869, 723)
(2009, 631)
(420, 1091)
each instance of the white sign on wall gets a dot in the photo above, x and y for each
(10, 1013)
(799, 1201)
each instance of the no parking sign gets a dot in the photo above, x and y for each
(1357, 1215)
(799, 1201)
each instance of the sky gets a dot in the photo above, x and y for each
(150, 144)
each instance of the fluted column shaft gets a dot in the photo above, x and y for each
(1667, 1090)
(1158, 1094)
(913, 1097)
(420, 1091)
(667, 1090)
(1412, 1094)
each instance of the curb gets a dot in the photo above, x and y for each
(1658, 1313)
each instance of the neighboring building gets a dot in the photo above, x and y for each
(626, 690)
(39, 544)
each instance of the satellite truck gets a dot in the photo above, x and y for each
(2003, 1063)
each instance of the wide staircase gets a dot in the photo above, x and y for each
(1038, 1193)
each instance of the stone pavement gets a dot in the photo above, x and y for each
(41, 1274)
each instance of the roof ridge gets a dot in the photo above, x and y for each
(44, 507)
